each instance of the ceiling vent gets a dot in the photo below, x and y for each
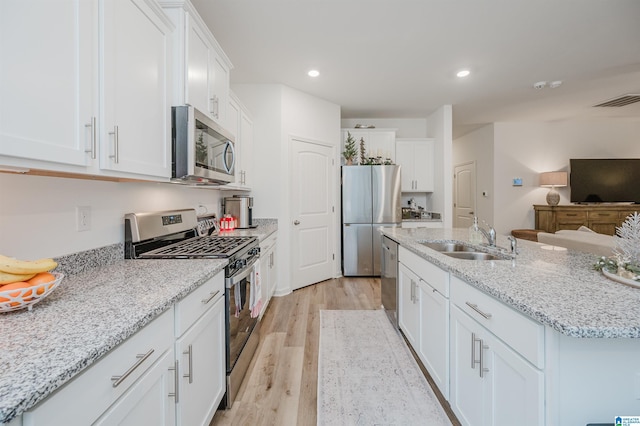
(620, 101)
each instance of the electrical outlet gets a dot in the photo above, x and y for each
(83, 218)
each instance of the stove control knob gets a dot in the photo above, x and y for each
(254, 251)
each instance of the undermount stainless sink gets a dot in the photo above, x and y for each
(474, 255)
(447, 247)
(461, 251)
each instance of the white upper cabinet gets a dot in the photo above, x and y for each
(377, 143)
(137, 114)
(240, 124)
(416, 156)
(201, 68)
(48, 84)
(90, 97)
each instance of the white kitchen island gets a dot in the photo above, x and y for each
(542, 339)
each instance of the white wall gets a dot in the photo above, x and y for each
(440, 129)
(478, 146)
(281, 113)
(526, 149)
(38, 218)
(407, 127)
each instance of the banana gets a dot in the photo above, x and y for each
(15, 266)
(6, 278)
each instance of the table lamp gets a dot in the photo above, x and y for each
(552, 180)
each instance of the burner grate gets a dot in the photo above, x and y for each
(202, 246)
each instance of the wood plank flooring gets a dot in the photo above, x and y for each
(281, 383)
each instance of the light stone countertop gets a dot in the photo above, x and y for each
(102, 301)
(560, 289)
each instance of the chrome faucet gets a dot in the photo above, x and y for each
(514, 245)
(489, 235)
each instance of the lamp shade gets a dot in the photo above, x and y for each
(553, 179)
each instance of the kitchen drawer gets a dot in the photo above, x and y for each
(427, 271)
(192, 307)
(89, 394)
(571, 216)
(267, 243)
(523, 334)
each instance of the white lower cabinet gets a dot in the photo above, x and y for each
(408, 305)
(148, 401)
(424, 314)
(201, 362)
(268, 269)
(434, 335)
(170, 372)
(134, 372)
(491, 384)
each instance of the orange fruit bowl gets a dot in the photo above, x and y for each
(24, 294)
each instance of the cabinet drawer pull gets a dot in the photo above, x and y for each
(475, 308)
(572, 214)
(189, 375)
(176, 381)
(141, 358)
(211, 296)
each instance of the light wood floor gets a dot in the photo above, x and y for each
(281, 383)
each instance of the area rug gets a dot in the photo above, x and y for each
(367, 376)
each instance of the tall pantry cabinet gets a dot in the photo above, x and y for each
(90, 97)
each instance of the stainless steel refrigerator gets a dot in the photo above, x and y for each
(370, 200)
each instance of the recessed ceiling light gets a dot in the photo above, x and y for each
(463, 73)
(313, 73)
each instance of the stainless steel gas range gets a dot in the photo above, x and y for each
(181, 234)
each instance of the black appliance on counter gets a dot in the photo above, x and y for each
(180, 234)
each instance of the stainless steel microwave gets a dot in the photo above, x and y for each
(203, 152)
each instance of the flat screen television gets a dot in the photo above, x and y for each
(610, 180)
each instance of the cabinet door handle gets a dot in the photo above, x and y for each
(93, 126)
(141, 358)
(473, 351)
(176, 381)
(215, 105)
(116, 140)
(482, 367)
(211, 296)
(572, 214)
(475, 308)
(189, 375)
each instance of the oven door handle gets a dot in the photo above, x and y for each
(241, 275)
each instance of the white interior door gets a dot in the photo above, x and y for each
(313, 213)
(464, 194)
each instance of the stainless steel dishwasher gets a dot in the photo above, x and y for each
(389, 279)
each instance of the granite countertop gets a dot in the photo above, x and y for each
(103, 300)
(265, 227)
(421, 220)
(558, 288)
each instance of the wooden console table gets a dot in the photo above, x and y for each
(602, 218)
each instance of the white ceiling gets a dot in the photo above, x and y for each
(398, 58)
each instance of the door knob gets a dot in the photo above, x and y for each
(296, 222)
